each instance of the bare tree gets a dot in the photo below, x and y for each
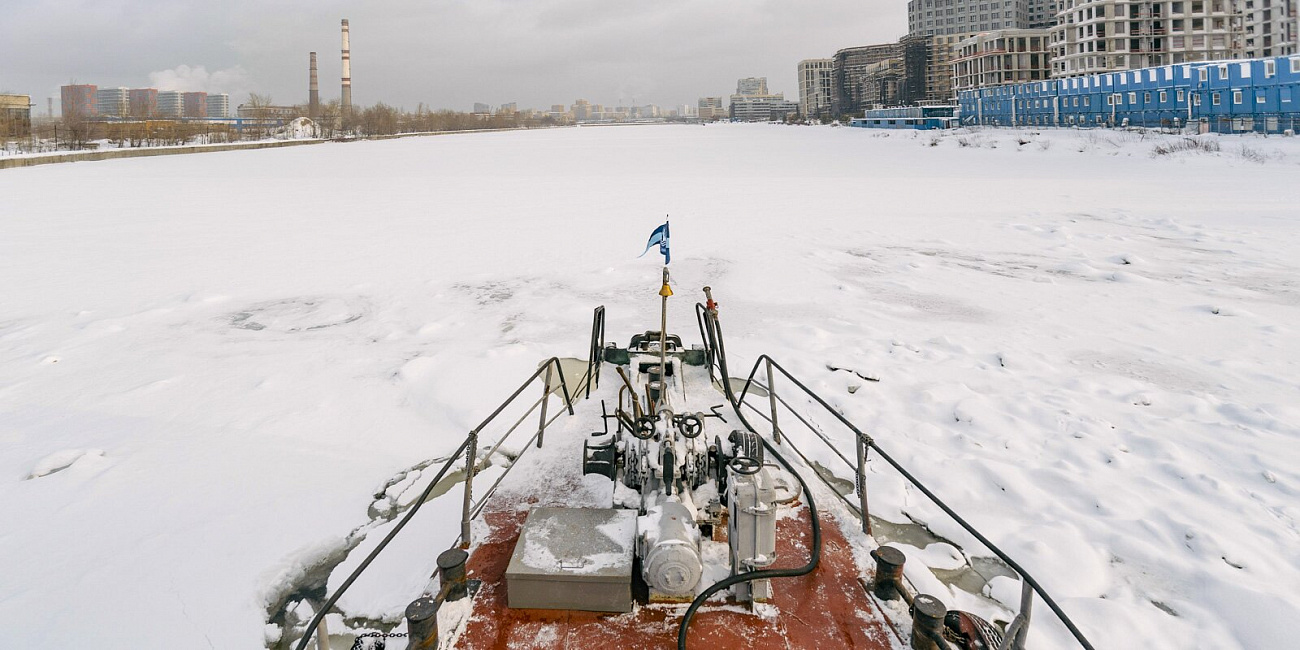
(380, 119)
(79, 130)
(327, 118)
(261, 113)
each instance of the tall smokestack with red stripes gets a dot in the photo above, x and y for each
(346, 100)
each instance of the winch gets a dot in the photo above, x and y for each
(690, 491)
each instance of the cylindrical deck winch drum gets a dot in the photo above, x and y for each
(671, 565)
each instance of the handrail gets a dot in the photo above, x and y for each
(814, 551)
(824, 480)
(314, 625)
(700, 320)
(467, 447)
(870, 443)
(595, 352)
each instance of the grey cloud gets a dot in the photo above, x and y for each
(446, 53)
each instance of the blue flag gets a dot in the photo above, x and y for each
(659, 236)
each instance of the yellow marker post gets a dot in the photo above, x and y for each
(664, 292)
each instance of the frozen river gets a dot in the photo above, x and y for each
(209, 364)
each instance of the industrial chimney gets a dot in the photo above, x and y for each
(346, 100)
(313, 92)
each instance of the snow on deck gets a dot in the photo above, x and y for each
(1087, 349)
(825, 609)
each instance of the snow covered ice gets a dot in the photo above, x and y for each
(210, 365)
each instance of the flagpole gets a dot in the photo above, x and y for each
(663, 334)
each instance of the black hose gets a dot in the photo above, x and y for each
(715, 333)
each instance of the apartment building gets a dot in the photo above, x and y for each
(1270, 27)
(753, 103)
(847, 69)
(113, 102)
(950, 17)
(143, 102)
(78, 100)
(194, 104)
(710, 108)
(752, 86)
(15, 116)
(1106, 35)
(1042, 13)
(171, 104)
(884, 83)
(1001, 57)
(816, 79)
(938, 71)
(218, 105)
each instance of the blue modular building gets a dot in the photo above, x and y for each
(1254, 95)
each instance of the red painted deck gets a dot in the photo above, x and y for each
(825, 609)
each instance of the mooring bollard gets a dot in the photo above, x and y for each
(927, 623)
(422, 624)
(451, 573)
(889, 573)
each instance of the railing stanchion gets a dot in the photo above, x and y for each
(1019, 627)
(546, 398)
(470, 450)
(1026, 602)
(863, 450)
(771, 398)
(322, 636)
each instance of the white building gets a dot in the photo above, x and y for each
(710, 108)
(1270, 27)
(761, 108)
(950, 17)
(1001, 57)
(1107, 35)
(171, 104)
(219, 106)
(1042, 13)
(816, 82)
(752, 86)
(113, 102)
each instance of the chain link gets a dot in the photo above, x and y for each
(380, 638)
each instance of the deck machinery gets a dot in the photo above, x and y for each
(693, 506)
(691, 486)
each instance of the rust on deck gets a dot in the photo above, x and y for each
(825, 609)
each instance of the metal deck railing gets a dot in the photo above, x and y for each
(469, 448)
(715, 354)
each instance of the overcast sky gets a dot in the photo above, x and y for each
(444, 53)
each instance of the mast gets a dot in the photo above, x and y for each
(664, 292)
